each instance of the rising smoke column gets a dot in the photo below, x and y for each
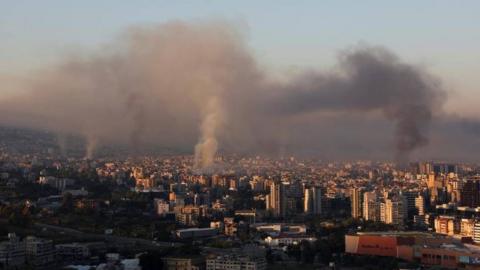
(207, 146)
(91, 142)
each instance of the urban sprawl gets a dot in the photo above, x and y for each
(245, 212)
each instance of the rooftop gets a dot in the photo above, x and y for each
(398, 233)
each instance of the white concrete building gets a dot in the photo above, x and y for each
(236, 262)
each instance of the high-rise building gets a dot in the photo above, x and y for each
(371, 206)
(443, 168)
(395, 211)
(383, 211)
(435, 181)
(356, 202)
(425, 168)
(410, 197)
(313, 200)
(437, 168)
(420, 205)
(470, 194)
(276, 200)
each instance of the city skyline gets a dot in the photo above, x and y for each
(244, 135)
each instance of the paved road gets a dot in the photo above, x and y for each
(111, 238)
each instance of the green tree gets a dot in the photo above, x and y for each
(151, 261)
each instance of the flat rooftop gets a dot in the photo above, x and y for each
(399, 233)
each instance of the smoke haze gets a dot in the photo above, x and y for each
(198, 86)
(372, 79)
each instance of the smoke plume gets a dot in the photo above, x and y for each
(371, 79)
(208, 145)
(198, 86)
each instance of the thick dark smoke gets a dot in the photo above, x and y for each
(196, 85)
(371, 79)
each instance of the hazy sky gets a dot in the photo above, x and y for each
(443, 36)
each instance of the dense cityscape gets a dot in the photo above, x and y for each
(159, 212)
(239, 135)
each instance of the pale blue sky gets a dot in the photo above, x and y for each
(444, 36)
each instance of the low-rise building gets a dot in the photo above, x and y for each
(12, 253)
(428, 249)
(476, 231)
(72, 251)
(40, 252)
(467, 227)
(161, 207)
(448, 225)
(236, 262)
(277, 228)
(287, 240)
(196, 233)
(184, 263)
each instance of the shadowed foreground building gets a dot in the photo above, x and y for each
(34, 252)
(470, 194)
(12, 253)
